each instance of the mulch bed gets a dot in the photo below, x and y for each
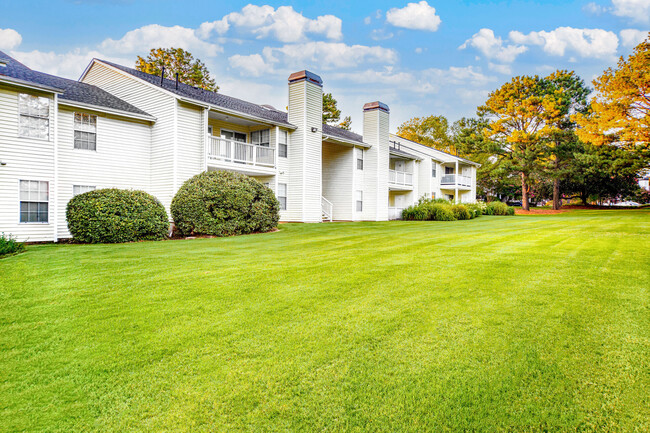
(539, 211)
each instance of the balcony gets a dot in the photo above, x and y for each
(453, 180)
(240, 156)
(400, 179)
(395, 213)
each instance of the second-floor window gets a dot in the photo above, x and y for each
(34, 113)
(359, 158)
(282, 144)
(433, 170)
(449, 170)
(261, 138)
(85, 131)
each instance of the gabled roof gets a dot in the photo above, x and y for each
(343, 134)
(207, 97)
(70, 90)
(399, 152)
(426, 149)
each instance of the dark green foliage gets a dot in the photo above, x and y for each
(461, 212)
(440, 212)
(116, 215)
(9, 245)
(221, 203)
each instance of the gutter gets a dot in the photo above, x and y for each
(101, 109)
(346, 141)
(29, 85)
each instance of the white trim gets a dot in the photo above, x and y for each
(55, 216)
(208, 130)
(339, 140)
(29, 85)
(106, 110)
(49, 201)
(304, 150)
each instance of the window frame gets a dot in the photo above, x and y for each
(260, 133)
(245, 134)
(286, 193)
(358, 199)
(283, 148)
(75, 130)
(359, 151)
(32, 116)
(90, 188)
(20, 201)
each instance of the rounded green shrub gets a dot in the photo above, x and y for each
(497, 208)
(461, 212)
(116, 215)
(222, 203)
(414, 213)
(440, 212)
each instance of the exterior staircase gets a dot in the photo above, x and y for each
(327, 209)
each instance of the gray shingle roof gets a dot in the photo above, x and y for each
(206, 96)
(341, 133)
(400, 152)
(74, 91)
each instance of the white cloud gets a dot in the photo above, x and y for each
(637, 10)
(493, 47)
(415, 16)
(329, 55)
(69, 65)
(420, 50)
(283, 23)
(9, 39)
(473, 96)
(502, 69)
(367, 20)
(141, 40)
(380, 34)
(594, 9)
(632, 37)
(596, 43)
(253, 65)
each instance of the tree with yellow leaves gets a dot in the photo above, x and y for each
(620, 113)
(177, 61)
(432, 131)
(520, 114)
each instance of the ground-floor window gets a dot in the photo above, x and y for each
(359, 201)
(34, 201)
(80, 189)
(282, 195)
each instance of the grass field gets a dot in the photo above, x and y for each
(527, 323)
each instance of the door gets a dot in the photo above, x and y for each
(400, 166)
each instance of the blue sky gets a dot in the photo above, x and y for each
(421, 58)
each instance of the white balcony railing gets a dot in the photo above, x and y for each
(395, 213)
(400, 178)
(220, 149)
(327, 209)
(450, 179)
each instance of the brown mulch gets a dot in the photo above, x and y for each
(539, 211)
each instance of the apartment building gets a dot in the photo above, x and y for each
(119, 127)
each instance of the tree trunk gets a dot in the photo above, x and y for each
(524, 192)
(556, 194)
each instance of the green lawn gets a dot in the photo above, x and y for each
(527, 323)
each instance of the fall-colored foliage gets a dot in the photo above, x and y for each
(432, 131)
(176, 60)
(620, 113)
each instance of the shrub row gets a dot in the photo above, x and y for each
(210, 203)
(9, 245)
(444, 210)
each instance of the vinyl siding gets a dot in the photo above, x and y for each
(122, 158)
(190, 142)
(157, 103)
(26, 159)
(338, 178)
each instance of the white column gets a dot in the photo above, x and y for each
(456, 184)
(55, 189)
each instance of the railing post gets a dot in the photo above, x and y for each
(232, 151)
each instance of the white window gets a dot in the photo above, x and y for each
(34, 113)
(433, 169)
(85, 131)
(359, 201)
(282, 144)
(235, 136)
(261, 138)
(80, 189)
(34, 201)
(449, 170)
(282, 195)
(359, 152)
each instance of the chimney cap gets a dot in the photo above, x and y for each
(305, 75)
(376, 106)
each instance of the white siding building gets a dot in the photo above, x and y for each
(118, 127)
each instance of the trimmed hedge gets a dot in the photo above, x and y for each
(222, 203)
(116, 215)
(9, 245)
(444, 210)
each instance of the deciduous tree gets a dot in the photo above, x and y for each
(176, 60)
(432, 131)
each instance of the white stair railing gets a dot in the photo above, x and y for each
(327, 209)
